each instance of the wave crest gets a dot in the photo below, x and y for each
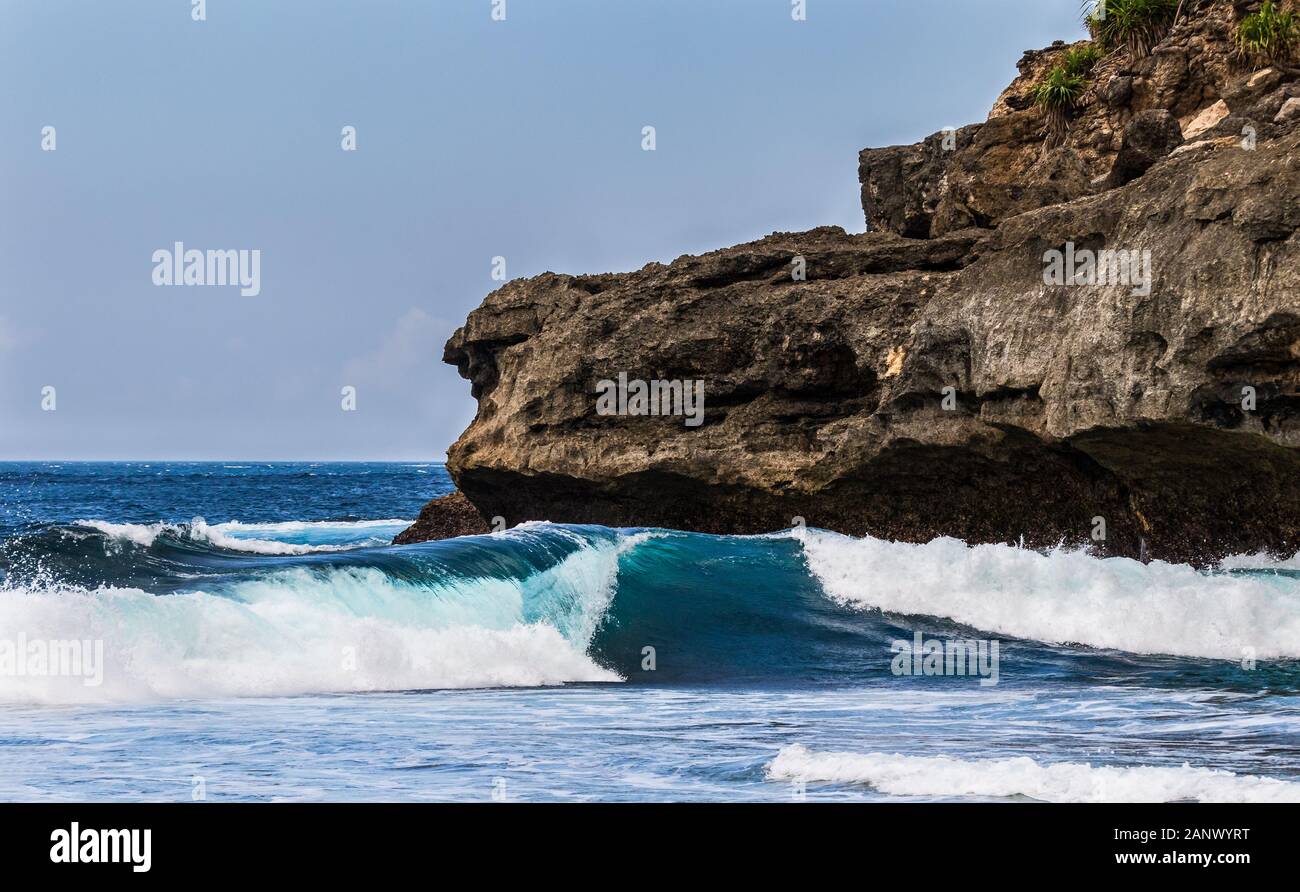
(288, 538)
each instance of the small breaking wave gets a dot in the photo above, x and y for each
(945, 777)
(287, 538)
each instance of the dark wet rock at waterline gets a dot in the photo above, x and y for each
(444, 518)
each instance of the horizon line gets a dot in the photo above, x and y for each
(197, 461)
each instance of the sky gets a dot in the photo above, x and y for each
(474, 139)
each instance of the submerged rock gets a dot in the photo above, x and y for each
(443, 518)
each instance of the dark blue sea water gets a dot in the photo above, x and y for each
(243, 631)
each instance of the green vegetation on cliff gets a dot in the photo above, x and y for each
(1268, 36)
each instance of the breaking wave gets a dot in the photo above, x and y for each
(511, 610)
(238, 609)
(293, 537)
(1067, 597)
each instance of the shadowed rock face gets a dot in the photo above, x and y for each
(913, 388)
(1149, 136)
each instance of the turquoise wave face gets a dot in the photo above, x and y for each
(731, 610)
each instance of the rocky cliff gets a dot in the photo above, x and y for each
(984, 173)
(937, 375)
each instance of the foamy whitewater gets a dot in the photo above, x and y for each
(1067, 597)
(250, 623)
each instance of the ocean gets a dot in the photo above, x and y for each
(244, 631)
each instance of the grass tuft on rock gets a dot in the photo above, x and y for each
(1137, 25)
(1269, 36)
(1080, 60)
(1061, 90)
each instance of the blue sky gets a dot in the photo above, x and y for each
(475, 139)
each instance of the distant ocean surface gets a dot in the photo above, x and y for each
(258, 638)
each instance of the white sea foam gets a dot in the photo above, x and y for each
(323, 629)
(1066, 597)
(1260, 562)
(941, 776)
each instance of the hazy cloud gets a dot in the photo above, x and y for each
(414, 342)
(8, 334)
